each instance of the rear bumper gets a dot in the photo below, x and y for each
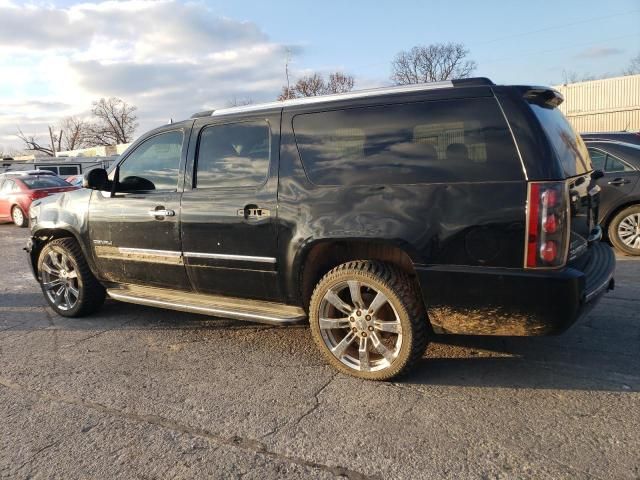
(514, 302)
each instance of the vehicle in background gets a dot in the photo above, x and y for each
(627, 137)
(381, 216)
(18, 191)
(63, 167)
(619, 212)
(75, 180)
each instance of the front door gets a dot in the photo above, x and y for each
(229, 208)
(136, 234)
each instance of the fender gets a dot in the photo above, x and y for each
(59, 216)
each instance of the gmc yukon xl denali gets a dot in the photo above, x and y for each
(381, 217)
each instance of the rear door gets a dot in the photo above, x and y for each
(229, 208)
(135, 235)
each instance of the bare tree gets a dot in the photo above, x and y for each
(239, 102)
(287, 93)
(310, 86)
(634, 66)
(34, 145)
(74, 133)
(115, 122)
(432, 63)
(339, 83)
(315, 84)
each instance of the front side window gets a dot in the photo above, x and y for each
(424, 142)
(153, 165)
(233, 155)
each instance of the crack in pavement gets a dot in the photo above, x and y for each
(242, 443)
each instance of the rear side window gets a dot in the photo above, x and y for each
(568, 145)
(233, 155)
(44, 182)
(464, 140)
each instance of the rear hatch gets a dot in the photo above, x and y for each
(575, 162)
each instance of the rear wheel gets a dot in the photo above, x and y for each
(624, 230)
(18, 216)
(66, 281)
(367, 319)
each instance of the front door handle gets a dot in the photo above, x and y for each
(162, 212)
(253, 211)
(619, 181)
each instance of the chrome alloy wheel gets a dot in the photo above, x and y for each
(629, 231)
(360, 326)
(60, 280)
(18, 216)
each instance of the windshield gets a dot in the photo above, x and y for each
(44, 182)
(567, 144)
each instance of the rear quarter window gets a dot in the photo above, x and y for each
(464, 140)
(567, 144)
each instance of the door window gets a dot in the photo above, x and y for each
(153, 165)
(598, 159)
(233, 155)
(615, 165)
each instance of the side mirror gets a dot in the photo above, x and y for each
(96, 179)
(596, 174)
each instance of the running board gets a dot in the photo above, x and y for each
(214, 305)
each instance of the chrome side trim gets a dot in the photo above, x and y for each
(216, 311)
(224, 256)
(335, 97)
(148, 251)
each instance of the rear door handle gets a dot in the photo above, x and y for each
(619, 181)
(162, 212)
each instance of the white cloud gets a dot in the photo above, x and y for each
(168, 58)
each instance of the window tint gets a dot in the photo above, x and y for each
(439, 141)
(598, 158)
(48, 168)
(615, 165)
(567, 144)
(234, 155)
(44, 182)
(154, 165)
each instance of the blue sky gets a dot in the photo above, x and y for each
(171, 58)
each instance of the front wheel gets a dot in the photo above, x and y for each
(624, 230)
(66, 281)
(368, 320)
(18, 216)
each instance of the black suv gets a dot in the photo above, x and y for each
(382, 216)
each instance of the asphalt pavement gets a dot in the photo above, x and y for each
(136, 392)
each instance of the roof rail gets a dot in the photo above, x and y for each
(206, 113)
(396, 89)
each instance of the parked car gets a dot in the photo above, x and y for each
(20, 173)
(626, 137)
(619, 212)
(382, 217)
(18, 191)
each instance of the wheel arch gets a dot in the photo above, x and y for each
(43, 236)
(320, 256)
(617, 209)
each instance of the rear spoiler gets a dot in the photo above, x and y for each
(543, 96)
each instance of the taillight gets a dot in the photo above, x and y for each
(547, 224)
(35, 194)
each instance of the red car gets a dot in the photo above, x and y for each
(17, 193)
